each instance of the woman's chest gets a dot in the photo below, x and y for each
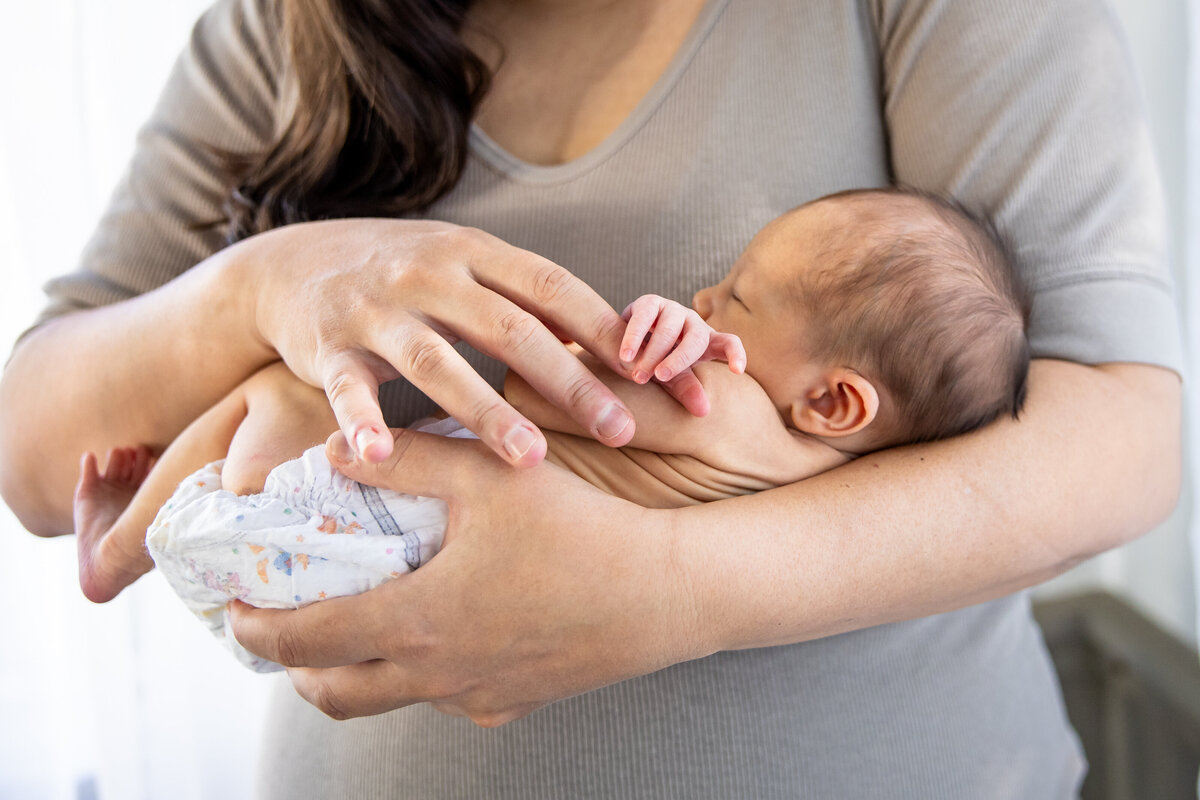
(771, 104)
(563, 82)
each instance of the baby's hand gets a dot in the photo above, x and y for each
(111, 555)
(678, 338)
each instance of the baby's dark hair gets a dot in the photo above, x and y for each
(920, 297)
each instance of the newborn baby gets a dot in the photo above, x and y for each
(858, 321)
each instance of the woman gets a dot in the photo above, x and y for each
(639, 145)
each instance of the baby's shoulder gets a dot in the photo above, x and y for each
(733, 396)
(747, 435)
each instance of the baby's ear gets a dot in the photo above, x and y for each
(840, 402)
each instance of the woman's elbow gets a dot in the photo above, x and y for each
(1154, 469)
(21, 486)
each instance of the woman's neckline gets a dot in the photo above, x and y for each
(523, 171)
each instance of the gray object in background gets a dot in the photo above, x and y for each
(1132, 692)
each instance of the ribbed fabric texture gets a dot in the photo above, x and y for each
(1025, 110)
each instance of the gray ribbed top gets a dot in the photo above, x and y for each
(1026, 110)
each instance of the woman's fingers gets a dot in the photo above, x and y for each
(432, 365)
(500, 328)
(342, 630)
(354, 690)
(420, 464)
(383, 298)
(550, 293)
(373, 687)
(353, 395)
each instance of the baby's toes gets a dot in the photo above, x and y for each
(143, 460)
(118, 463)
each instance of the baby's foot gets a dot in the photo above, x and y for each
(110, 556)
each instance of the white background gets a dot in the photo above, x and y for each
(132, 699)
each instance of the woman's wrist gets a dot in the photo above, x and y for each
(689, 628)
(232, 279)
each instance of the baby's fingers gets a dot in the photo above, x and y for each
(730, 347)
(89, 474)
(663, 341)
(640, 318)
(690, 349)
(143, 461)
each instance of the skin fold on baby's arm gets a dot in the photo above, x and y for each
(741, 446)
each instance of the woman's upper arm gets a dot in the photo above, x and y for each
(111, 359)
(219, 98)
(1031, 115)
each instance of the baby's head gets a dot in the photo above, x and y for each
(878, 317)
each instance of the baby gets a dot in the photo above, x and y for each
(856, 322)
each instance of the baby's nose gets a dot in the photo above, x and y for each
(702, 302)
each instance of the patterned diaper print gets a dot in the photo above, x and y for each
(311, 534)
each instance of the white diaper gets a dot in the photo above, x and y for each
(311, 534)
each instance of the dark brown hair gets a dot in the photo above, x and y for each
(921, 297)
(376, 103)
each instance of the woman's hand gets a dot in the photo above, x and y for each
(519, 608)
(350, 304)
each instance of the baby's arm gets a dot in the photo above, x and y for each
(663, 340)
(744, 434)
(113, 510)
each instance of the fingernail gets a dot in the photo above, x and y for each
(518, 441)
(612, 422)
(339, 448)
(627, 355)
(662, 374)
(640, 376)
(363, 439)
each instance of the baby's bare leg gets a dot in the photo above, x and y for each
(113, 512)
(272, 417)
(109, 563)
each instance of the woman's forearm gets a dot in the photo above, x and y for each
(1093, 462)
(135, 372)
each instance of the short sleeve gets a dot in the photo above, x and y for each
(220, 98)
(1029, 112)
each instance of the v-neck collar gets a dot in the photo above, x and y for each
(500, 159)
